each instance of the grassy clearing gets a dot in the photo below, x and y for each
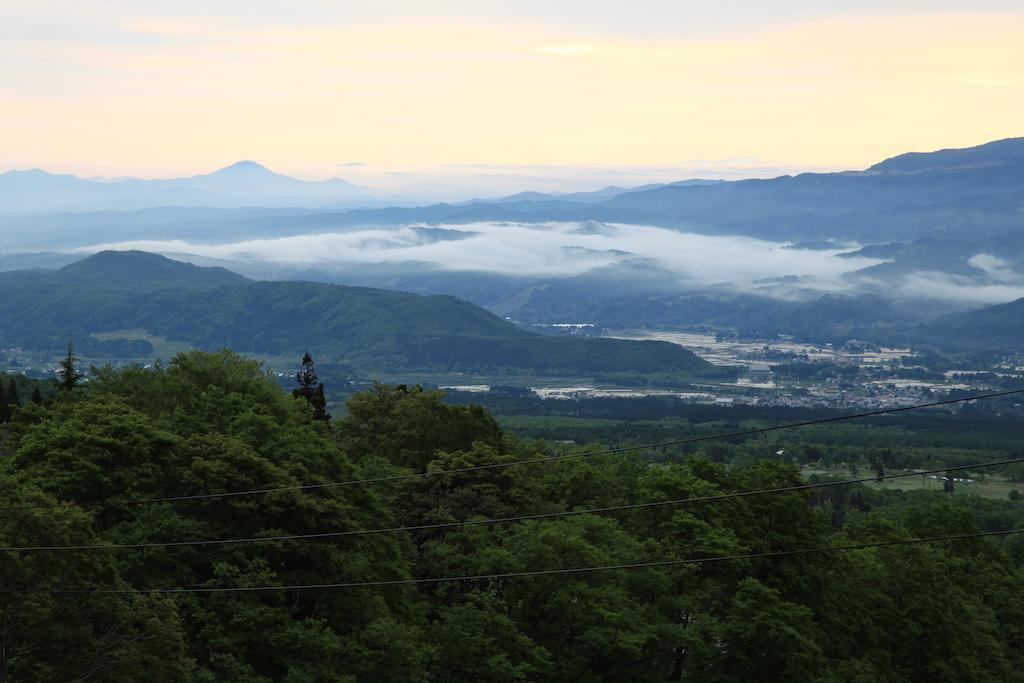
(989, 487)
(162, 347)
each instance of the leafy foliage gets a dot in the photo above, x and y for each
(217, 422)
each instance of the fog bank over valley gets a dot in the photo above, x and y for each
(676, 260)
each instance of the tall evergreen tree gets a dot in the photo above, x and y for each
(12, 394)
(5, 408)
(37, 396)
(310, 390)
(69, 375)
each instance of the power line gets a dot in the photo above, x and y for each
(528, 461)
(497, 520)
(510, 575)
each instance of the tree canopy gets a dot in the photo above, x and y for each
(216, 422)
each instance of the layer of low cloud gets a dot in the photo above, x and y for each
(996, 268)
(957, 289)
(539, 250)
(554, 250)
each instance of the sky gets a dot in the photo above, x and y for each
(391, 93)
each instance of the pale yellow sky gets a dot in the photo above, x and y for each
(161, 94)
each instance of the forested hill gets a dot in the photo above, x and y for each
(999, 327)
(370, 329)
(135, 270)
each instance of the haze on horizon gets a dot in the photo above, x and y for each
(389, 94)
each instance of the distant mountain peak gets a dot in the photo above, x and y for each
(32, 173)
(105, 262)
(143, 268)
(112, 256)
(246, 166)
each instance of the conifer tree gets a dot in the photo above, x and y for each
(11, 398)
(37, 396)
(69, 375)
(5, 408)
(310, 390)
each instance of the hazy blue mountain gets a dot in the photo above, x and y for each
(62, 230)
(992, 328)
(1009, 152)
(373, 330)
(245, 183)
(981, 197)
(969, 194)
(941, 197)
(250, 180)
(601, 195)
(962, 257)
(45, 260)
(615, 300)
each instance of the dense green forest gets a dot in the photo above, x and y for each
(209, 423)
(932, 437)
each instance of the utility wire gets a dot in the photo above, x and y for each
(497, 520)
(510, 575)
(528, 461)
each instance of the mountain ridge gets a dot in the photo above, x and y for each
(140, 269)
(373, 330)
(1007, 150)
(237, 184)
(999, 327)
(976, 191)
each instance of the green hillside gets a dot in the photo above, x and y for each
(993, 328)
(370, 329)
